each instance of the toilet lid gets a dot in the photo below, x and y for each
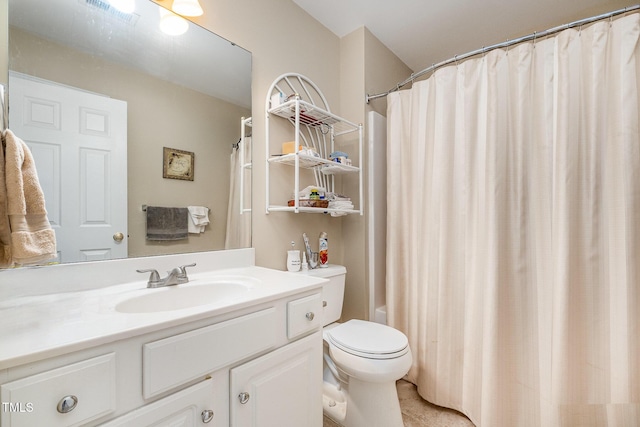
(369, 339)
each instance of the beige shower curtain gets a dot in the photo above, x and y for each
(514, 231)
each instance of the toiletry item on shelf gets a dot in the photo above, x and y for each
(293, 259)
(277, 99)
(337, 155)
(315, 195)
(290, 147)
(305, 265)
(324, 250)
(306, 193)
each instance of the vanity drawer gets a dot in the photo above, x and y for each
(304, 315)
(170, 362)
(190, 407)
(38, 399)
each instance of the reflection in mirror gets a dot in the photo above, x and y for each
(97, 94)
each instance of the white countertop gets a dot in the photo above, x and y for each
(35, 327)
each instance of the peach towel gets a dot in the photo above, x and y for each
(22, 208)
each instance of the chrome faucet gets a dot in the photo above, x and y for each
(174, 277)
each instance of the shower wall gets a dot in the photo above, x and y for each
(376, 200)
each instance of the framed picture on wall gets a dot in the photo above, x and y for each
(177, 164)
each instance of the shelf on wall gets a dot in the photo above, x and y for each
(281, 208)
(316, 129)
(306, 161)
(314, 116)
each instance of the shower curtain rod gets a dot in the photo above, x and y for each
(508, 43)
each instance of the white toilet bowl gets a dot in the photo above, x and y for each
(369, 359)
(369, 351)
(363, 360)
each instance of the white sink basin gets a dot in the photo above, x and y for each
(187, 295)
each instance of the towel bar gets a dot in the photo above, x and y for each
(144, 208)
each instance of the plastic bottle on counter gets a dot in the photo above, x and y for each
(323, 250)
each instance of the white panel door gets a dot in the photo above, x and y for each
(79, 142)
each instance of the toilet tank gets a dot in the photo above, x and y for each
(332, 291)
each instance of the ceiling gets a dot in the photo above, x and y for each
(198, 59)
(424, 32)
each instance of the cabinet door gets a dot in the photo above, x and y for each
(187, 408)
(282, 388)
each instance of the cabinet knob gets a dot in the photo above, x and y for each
(243, 397)
(207, 415)
(67, 404)
(310, 316)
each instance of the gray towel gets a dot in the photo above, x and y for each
(167, 223)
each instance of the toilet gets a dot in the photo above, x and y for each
(362, 362)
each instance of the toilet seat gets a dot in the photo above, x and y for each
(368, 339)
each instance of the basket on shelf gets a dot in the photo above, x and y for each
(308, 203)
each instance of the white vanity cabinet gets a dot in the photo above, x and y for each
(184, 376)
(281, 388)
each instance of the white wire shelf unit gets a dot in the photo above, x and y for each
(315, 129)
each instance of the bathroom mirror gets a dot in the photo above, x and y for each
(188, 93)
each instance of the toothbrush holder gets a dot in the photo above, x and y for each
(293, 260)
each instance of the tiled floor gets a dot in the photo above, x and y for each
(416, 412)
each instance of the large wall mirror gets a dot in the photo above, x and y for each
(104, 98)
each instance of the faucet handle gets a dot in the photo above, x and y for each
(183, 272)
(183, 268)
(154, 277)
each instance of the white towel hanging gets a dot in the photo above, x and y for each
(199, 218)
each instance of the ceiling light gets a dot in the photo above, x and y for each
(187, 7)
(172, 24)
(124, 6)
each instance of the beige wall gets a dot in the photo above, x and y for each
(208, 128)
(4, 41)
(367, 66)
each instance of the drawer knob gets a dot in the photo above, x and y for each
(310, 316)
(244, 397)
(67, 404)
(207, 415)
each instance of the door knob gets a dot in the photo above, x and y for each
(118, 237)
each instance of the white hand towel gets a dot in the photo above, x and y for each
(199, 219)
